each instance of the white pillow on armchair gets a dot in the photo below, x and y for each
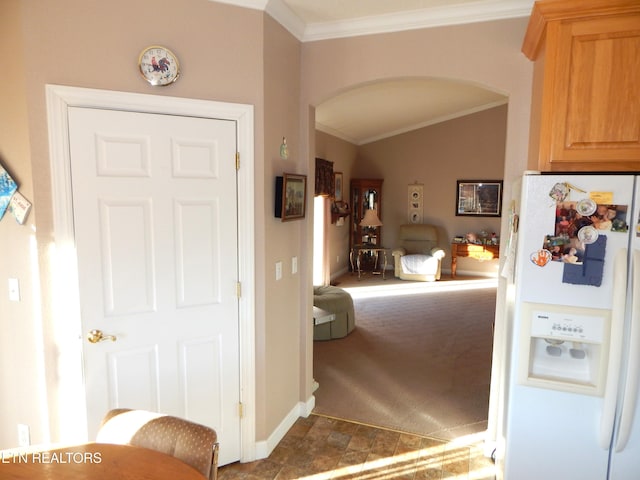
(422, 264)
(418, 257)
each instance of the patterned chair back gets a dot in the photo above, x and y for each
(192, 443)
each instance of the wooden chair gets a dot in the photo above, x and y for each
(192, 443)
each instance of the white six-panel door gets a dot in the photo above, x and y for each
(155, 219)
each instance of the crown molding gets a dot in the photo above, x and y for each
(277, 9)
(543, 13)
(416, 19)
(282, 14)
(395, 22)
(336, 133)
(254, 4)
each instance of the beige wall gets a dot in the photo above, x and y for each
(21, 360)
(279, 374)
(89, 43)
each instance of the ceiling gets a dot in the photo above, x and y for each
(383, 109)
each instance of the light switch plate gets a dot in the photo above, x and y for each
(294, 265)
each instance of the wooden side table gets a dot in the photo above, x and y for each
(472, 250)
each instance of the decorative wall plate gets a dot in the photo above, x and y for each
(415, 202)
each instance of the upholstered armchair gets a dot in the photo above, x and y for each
(417, 256)
(192, 443)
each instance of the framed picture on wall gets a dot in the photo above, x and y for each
(479, 198)
(7, 189)
(291, 196)
(337, 186)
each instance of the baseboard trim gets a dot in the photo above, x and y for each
(445, 271)
(472, 273)
(301, 409)
(339, 273)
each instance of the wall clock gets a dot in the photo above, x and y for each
(158, 65)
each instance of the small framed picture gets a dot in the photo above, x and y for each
(479, 198)
(7, 188)
(337, 186)
(291, 196)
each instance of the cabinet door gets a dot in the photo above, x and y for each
(365, 194)
(356, 215)
(593, 93)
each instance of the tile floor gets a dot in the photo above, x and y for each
(323, 448)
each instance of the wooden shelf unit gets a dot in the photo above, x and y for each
(365, 194)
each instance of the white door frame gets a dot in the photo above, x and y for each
(65, 297)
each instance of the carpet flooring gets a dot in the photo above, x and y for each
(418, 361)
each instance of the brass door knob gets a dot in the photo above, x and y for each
(95, 336)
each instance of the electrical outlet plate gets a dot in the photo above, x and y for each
(278, 270)
(294, 265)
(14, 290)
(24, 436)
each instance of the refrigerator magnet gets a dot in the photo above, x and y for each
(559, 192)
(588, 234)
(541, 257)
(586, 207)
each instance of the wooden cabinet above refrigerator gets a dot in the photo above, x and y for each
(585, 113)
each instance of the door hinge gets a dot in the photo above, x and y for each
(238, 289)
(237, 160)
(241, 410)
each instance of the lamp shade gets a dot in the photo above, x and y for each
(370, 219)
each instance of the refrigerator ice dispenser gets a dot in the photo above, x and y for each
(564, 348)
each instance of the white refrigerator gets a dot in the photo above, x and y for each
(574, 350)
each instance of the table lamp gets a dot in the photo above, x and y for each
(371, 222)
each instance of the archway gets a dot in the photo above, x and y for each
(487, 53)
(432, 107)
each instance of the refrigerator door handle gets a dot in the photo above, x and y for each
(630, 395)
(615, 348)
